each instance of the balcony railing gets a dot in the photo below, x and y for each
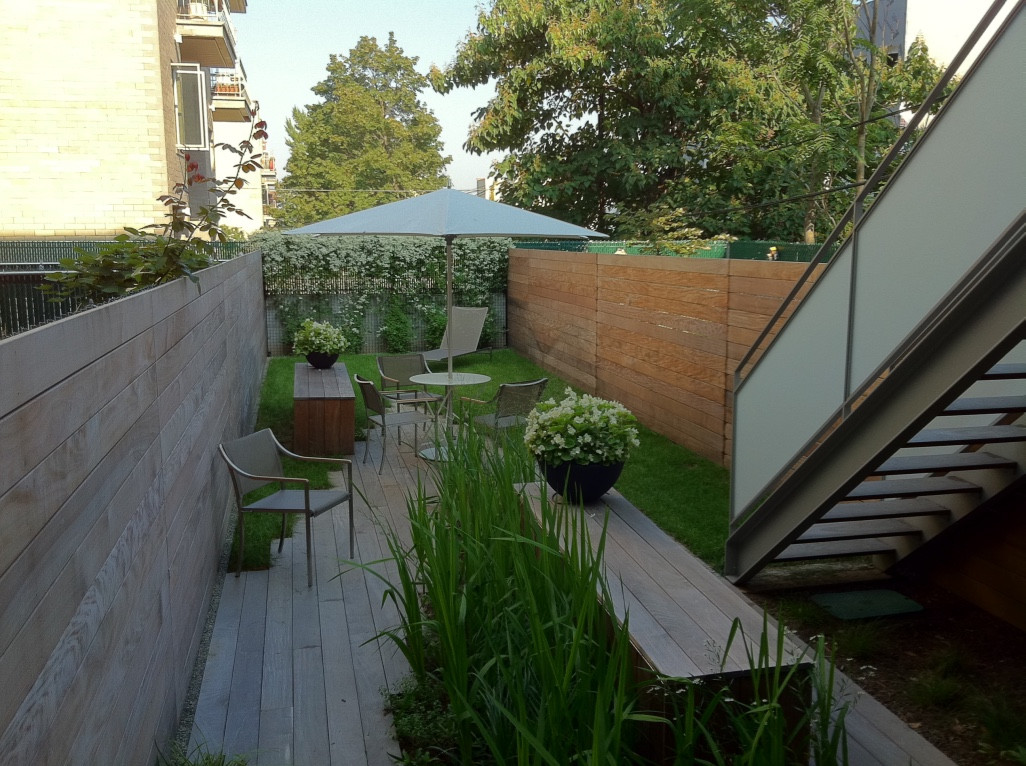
(228, 83)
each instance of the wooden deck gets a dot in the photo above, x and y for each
(293, 675)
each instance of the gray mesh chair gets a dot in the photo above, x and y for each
(464, 335)
(396, 385)
(380, 412)
(254, 461)
(512, 403)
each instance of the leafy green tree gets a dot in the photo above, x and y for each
(590, 103)
(370, 139)
(646, 118)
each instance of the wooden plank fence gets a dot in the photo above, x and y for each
(662, 334)
(113, 510)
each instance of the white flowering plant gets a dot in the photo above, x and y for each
(580, 429)
(318, 338)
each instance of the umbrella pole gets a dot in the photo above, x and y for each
(448, 299)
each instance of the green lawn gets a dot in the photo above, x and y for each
(683, 493)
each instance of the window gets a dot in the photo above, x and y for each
(190, 106)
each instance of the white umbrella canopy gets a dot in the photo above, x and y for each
(449, 214)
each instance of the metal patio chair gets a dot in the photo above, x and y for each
(464, 335)
(380, 412)
(512, 403)
(254, 461)
(395, 371)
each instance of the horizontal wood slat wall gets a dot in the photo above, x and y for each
(663, 335)
(113, 509)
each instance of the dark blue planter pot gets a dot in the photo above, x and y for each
(321, 361)
(581, 482)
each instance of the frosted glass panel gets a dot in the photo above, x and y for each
(800, 383)
(944, 208)
(962, 187)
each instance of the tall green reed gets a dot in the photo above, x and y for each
(507, 613)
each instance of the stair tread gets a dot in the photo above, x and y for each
(934, 485)
(979, 405)
(968, 435)
(855, 530)
(883, 509)
(834, 549)
(1005, 371)
(955, 461)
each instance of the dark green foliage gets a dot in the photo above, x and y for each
(200, 756)
(1004, 726)
(730, 116)
(424, 723)
(512, 652)
(397, 329)
(367, 141)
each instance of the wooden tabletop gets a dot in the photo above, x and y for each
(333, 383)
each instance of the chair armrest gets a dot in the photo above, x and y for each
(393, 381)
(312, 459)
(475, 401)
(259, 477)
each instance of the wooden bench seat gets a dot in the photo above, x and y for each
(680, 612)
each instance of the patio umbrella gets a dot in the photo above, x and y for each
(449, 214)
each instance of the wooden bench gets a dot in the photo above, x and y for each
(324, 411)
(681, 613)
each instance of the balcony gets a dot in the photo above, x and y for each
(206, 33)
(231, 100)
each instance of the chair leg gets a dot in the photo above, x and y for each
(242, 544)
(309, 553)
(384, 442)
(281, 540)
(352, 527)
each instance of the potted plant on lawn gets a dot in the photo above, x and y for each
(319, 342)
(581, 443)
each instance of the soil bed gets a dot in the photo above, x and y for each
(952, 672)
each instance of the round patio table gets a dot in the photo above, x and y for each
(449, 381)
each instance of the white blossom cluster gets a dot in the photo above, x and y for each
(319, 337)
(580, 429)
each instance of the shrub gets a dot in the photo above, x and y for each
(397, 329)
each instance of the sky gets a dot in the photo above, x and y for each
(285, 44)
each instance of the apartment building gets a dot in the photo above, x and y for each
(99, 99)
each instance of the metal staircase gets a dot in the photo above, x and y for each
(887, 409)
(890, 516)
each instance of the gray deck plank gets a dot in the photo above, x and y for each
(241, 737)
(277, 720)
(215, 691)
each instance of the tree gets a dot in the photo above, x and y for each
(590, 102)
(370, 139)
(647, 117)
